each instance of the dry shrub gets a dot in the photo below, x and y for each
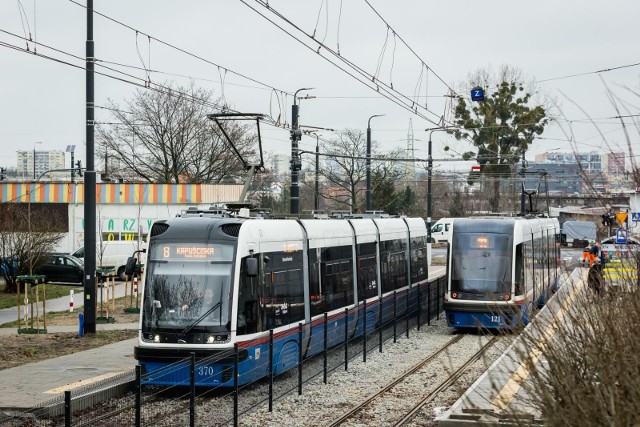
(591, 358)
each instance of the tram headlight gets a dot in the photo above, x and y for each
(156, 338)
(211, 339)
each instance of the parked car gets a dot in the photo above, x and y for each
(61, 268)
(113, 254)
(8, 266)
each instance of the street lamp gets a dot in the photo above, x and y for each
(34, 158)
(296, 163)
(429, 173)
(369, 160)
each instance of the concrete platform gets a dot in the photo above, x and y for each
(31, 385)
(501, 390)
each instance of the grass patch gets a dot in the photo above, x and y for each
(53, 291)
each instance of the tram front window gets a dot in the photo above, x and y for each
(481, 263)
(188, 287)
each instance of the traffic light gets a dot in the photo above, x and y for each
(79, 167)
(296, 164)
(608, 219)
(3, 176)
(296, 134)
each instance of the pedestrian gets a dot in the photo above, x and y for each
(594, 253)
(585, 253)
(595, 279)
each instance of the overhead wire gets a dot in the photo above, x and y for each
(179, 49)
(360, 74)
(409, 47)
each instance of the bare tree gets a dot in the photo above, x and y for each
(27, 233)
(344, 169)
(164, 135)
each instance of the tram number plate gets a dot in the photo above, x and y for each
(495, 319)
(205, 370)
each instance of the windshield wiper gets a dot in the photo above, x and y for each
(199, 319)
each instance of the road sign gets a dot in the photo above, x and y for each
(477, 94)
(622, 217)
(475, 168)
(621, 236)
(635, 216)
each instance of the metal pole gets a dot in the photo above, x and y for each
(90, 187)
(34, 162)
(294, 207)
(429, 175)
(316, 203)
(429, 196)
(524, 176)
(369, 160)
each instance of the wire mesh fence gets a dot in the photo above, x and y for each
(126, 399)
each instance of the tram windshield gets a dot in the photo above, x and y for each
(188, 287)
(481, 263)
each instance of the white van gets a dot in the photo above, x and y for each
(441, 230)
(112, 253)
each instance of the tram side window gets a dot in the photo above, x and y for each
(249, 318)
(367, 274)
(419, 262)
(284, 294)
(317, 297)
(337, 277)
(519, 277)
(393, 264)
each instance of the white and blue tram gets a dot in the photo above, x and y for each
(499, 269)
(268, 277)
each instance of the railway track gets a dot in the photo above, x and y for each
(405, 397)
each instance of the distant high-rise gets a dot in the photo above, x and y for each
(44, 161)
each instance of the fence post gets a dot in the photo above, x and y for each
(326, 335)
(346, 339)
(380, 323)
(395, 313)
(438, 300)
(364, 332)
(67, 408)
(300, 358)
(429, 303)
(192, 394)
(419, 304)
(138, 395)
(270, 370)
(235, 385)
(406, 311)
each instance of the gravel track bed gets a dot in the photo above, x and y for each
(320, 404)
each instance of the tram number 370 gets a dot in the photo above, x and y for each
(205, 370)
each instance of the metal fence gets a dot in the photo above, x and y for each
(124, 400)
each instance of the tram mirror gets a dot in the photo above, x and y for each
(130, 266)
(251, 265)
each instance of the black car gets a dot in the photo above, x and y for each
(61, 268)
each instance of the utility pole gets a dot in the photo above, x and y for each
(429, 175)
(90, 187)
(524, 177)
(369, 160)
(296, 162)
(316, 200)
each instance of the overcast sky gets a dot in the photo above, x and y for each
(227, 47)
